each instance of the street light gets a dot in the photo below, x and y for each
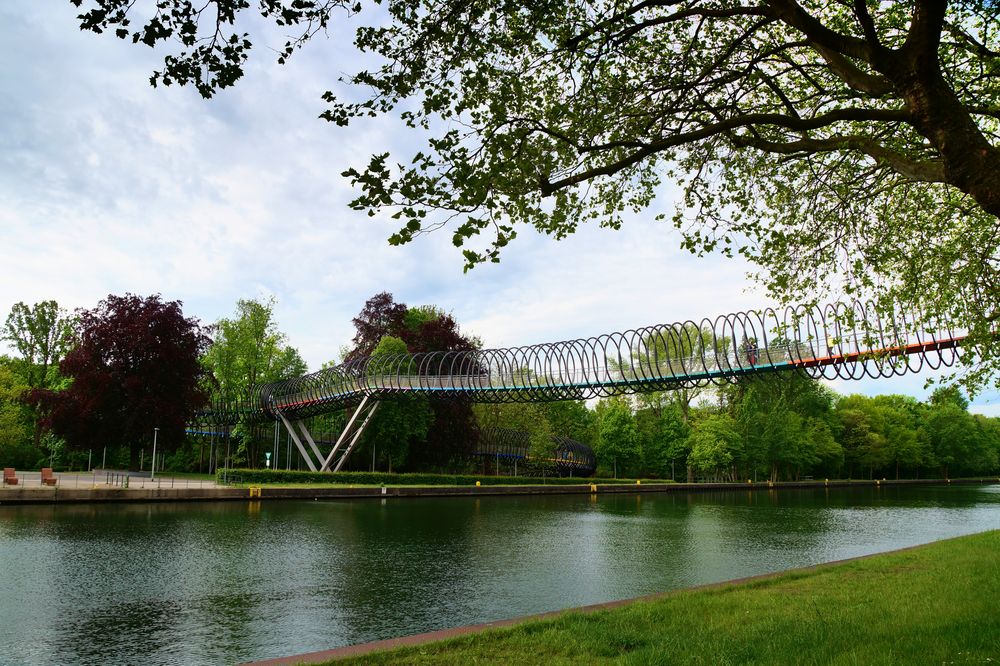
(152, 470)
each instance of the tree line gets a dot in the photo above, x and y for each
(98, 381)
(786, 426)
(106, 381)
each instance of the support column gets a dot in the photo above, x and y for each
(352, 432)
(348, 439)
(298, 443)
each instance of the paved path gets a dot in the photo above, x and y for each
(100, 478)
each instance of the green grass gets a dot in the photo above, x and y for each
(937, 604)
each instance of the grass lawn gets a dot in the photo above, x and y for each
(936, 604)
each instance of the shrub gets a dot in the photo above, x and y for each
(260, 476)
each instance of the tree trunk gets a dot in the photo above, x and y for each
(969, 160)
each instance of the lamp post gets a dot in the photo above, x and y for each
(152, 474)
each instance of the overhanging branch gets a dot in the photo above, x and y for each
(644, 150)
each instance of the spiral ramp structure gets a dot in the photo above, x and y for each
(841, 340)
(506, 447)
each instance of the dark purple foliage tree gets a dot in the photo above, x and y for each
(453, 432)
(134, 368)
(380, 316)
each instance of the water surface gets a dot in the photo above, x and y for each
(211, 583)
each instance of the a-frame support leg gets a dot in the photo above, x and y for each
(352, 433)
(348, 439)
(310, 440)
(298, 442)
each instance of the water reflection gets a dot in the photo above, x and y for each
(224, 582)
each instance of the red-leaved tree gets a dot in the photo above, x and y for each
(453, 432)
(134, 368)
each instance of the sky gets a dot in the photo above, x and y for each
(108, 186)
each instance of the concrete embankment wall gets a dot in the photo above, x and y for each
(12, 495)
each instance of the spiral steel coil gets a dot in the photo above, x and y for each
(845, 341)
(567, 457)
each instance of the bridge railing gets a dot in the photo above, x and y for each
(840, 340)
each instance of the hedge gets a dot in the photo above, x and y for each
(254, 476)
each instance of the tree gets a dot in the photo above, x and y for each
(249, 350)
(949, 395)
(900, 416)
(988, 458)
(453, 433)
(715, 444)
(569, 418)
(663, 440)
(774, 415)
(135, 366)
(618, 439)
(855, 145)
(952, 434)
(829, 452)
(15, 423)
(41, 334)
(398, 422)
(380, 316)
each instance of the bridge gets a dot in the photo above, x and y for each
(841, 340)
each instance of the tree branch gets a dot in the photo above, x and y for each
(644, 150)
(978, 48)
(792, 14)
(927, 171)
(852, 75)
(573, 42)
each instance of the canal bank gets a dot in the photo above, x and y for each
(12, 495)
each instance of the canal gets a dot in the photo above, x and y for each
(212, 583)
